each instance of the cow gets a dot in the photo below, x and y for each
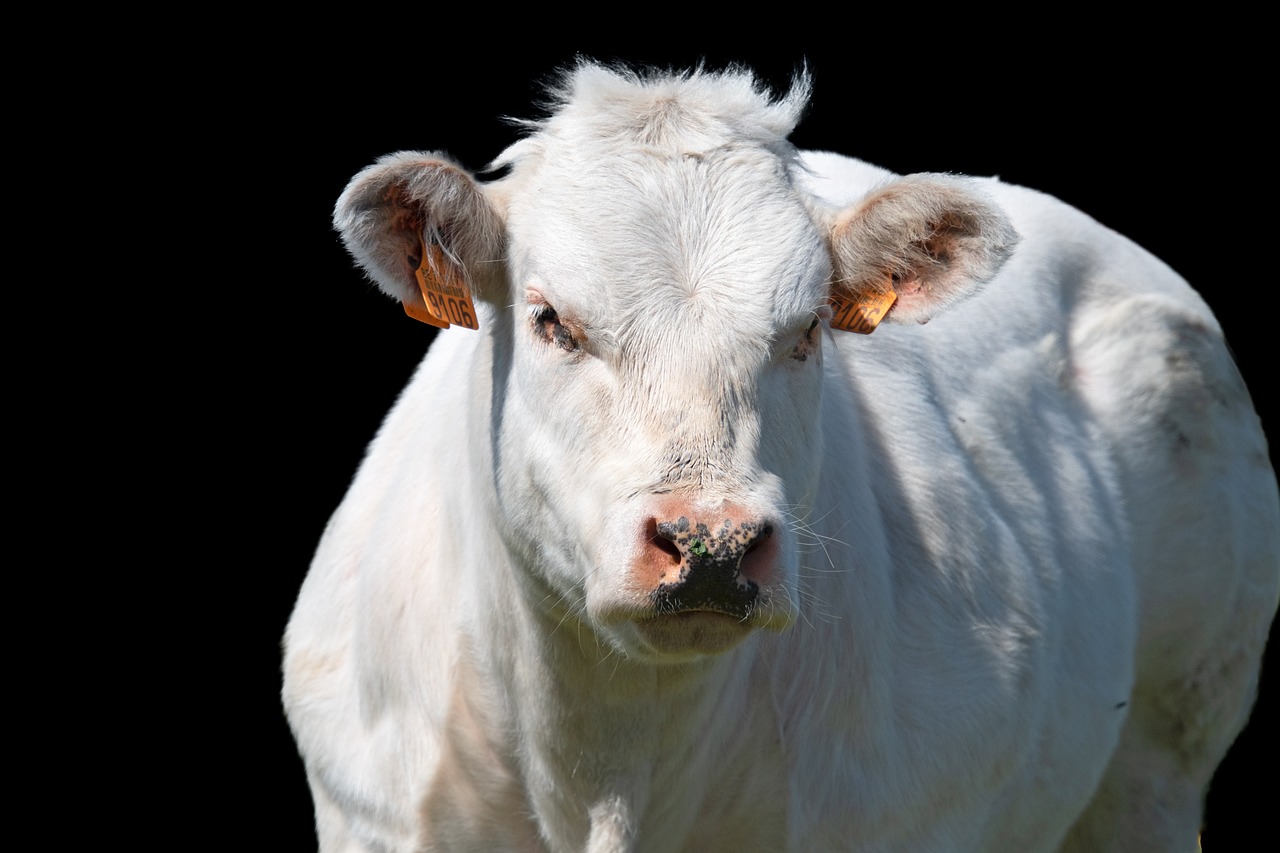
(764, 499)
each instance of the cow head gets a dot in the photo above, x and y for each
(661, 290)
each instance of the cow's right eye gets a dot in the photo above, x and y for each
(546, 323)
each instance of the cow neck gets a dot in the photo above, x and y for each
(624, 735)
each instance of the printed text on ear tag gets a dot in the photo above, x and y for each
(445, 294)
(419, 312)
(861, 314)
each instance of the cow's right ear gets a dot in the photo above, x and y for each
(406, 204)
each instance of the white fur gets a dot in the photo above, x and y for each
(1025, 555)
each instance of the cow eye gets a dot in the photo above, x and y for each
(809, 341)
(547, 325)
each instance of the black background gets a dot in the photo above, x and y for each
(1148, 138)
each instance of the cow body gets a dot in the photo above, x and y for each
(655, 560)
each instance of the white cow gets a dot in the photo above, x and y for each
(658, 559)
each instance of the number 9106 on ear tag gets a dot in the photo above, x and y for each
(445, 295)
(861, 314)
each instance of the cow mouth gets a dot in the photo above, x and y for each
(713, 590)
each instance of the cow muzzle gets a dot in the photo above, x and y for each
(709, 576)
(710, 569)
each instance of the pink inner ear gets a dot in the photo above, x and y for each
(910, 287)
(915, 301)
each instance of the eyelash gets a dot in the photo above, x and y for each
(547, 325)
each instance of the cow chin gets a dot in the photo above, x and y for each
(657, 634)
(693, 633)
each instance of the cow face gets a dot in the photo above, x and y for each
(663, 293)
(666, 381)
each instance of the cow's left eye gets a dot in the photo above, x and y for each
(546, 323)
(809, 341)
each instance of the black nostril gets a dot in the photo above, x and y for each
(663, 538)
(758, 539)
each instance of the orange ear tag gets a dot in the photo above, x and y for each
(861, 314)
(445, 296)
(419, 312)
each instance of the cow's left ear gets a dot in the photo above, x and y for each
(933, 239)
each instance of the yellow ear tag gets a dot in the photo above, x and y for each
(445, 295)
(861, 314)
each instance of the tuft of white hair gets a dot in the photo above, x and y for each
(684, 112)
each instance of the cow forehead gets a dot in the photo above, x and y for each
(720, 234)
(639, 196)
